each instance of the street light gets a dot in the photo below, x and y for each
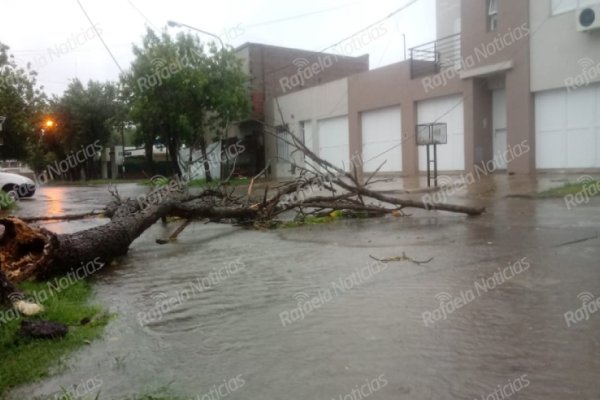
(174, 24)
(48, 125)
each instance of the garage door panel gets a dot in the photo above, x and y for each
(334, 156)
(581, 105)
(447, 154)
(449, 110)
(580, 150)
(597, 111)
(550, 150)
(597, 137)
(568, 128)
(382, 139)
(333, 132)
(456, 155)
(374, 154)
(550, 110)
(333, 141)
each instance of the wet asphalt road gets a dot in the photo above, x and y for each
(306, 313)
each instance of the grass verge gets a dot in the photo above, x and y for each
(590, 187)
(6, 202)
(199, 183)
(25, 361)
(232, 182)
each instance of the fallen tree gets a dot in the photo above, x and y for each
(32, 252)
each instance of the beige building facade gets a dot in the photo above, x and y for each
(516, 83)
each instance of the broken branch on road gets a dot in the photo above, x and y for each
(403, 257)
(31, 252)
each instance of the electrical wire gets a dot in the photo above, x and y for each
(99, 36)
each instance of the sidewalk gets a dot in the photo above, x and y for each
(492, 186)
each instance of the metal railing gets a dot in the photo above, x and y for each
(431, 58)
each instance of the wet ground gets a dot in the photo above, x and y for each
(306, 313)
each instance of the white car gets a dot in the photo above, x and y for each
(17, 186)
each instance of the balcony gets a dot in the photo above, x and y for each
(433, 57)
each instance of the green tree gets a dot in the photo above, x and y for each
(86, 115)
(21, 107)
(183, 94)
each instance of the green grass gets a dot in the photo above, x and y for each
(570, 188)
(24, 360)
(325, 219)
(232, 182)
(151, 397)
(201, 183)
(68, 396)
(65, 395)
(315, 220)
(6, 203)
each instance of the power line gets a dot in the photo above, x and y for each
(308, 14)
(385, 51)
(410, 3)
(142, 15)
(397, 11)
(99, 36)
(463, 97)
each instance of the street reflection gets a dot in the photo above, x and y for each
(55, 200)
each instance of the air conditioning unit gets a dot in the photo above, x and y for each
(588, 18)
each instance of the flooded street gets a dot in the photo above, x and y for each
(307, 313)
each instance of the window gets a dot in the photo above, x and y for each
(492, 15)
(563, 6)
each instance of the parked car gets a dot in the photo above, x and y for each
(17, 186)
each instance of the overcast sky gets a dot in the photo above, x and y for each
(56, 37)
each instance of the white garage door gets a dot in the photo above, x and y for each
(451, 156)
(382, 139)
(567, 128)
(333, 141)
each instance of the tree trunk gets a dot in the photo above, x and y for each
(173, 148)
(207, 174)
(188, 173)
(32, 252)
(149, 154)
